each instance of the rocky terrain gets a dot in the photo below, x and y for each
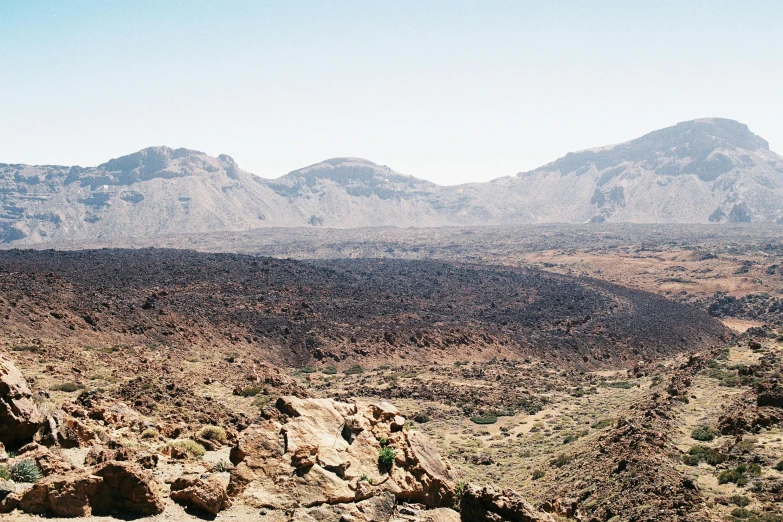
(344, 311)
(514, 374)
(702, 171)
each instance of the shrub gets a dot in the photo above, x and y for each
(779, 466)
(386, 457)
(421, 418)
(484, 419)
(703, 433)
(356, 369)
(4, 475)
(149, 433)
(308, 369)
(601, 424)
(191, 447)
(739, 500)
(537, 474)
(690, 460)
(739, 474)
(330, 370)
(624, 385)
(213, 433)
(711, 456)
(560, 461)
(68, 387)
(222, 466)
(740, 513)
(26, 470)
(250, 391)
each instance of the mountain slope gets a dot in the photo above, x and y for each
(702, 171)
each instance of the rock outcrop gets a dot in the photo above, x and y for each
(309, 452)
(19, 417)
(488, 504)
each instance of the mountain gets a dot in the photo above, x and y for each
(701, 171)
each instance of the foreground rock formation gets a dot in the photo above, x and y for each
(19, 417)
(320, 451)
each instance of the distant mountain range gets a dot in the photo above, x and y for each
(701, 171)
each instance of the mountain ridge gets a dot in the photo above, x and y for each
(709, 170)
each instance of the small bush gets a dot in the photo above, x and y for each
(537, 474)
(26, 470)
(386, 457)
(624, 385)
(560, 461)
(601, 424)
(365, 478)
(703, 433)
(711, 456)
(690, 460)
(308, 369)
(421, 418)
(250, 391)
(191, 447)
(68, 387)
(739, 500)
(354, 370)
(149, 433)
(484, 419)
(779, 466)
(330, 370)
(740, 513)
(4, 475)
(739, 475)
(222, 466)
(213, 433)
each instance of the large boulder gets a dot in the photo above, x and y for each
(19, 417)
(489, 505)
(320, 451)
(205, 494)
(129, 489)
(114, 487)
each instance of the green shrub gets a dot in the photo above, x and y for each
(703, 433)
(739, 500)
(213, 433)
(690, 460)
(4, 475)
(26, 470)
(250, 391)
(537, 474)
(624, 385)
(330, 370)
(386, 457)
(779, 466)
(740, 513)
(484, 419)
(68, 387)
(560, 461)
(739, 475)
(601, 424)
(308, 369)
(356, 369)
(711, 456)
(149, 433)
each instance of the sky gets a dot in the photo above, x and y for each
(450, 91)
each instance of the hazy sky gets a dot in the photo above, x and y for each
(449, 91)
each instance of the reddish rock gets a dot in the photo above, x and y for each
(206, 494)
(19, 417)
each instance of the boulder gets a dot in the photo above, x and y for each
(19, 416)
(127, 488)
(205, 494)
(50, 463)
(67, 495)
(489, 505)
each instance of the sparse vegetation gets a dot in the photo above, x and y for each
(250, 391)
(149, 433)
(703, 433)
(484, 419)
(740, 474)
(386, 457)
(537, 474)
(68, 387)
(560, 461)
(330, 370)
(26, 470)
(190, 447)
(213, 433)
(222, 466)
(356, 369)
